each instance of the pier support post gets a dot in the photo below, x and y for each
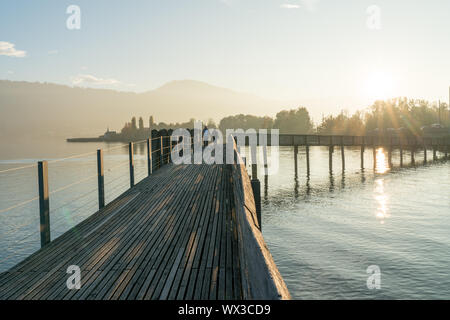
(254, 163)
(101, 179)
(266, 165)
(425, 160)
(295, 160)
(44, 203)
(254, 171)
(330, 157)
(342, 157)
(413, 161)
(256, 187)
(374, 150)
(362, 156)
(307, 160)
(161, 151)
(434, 154)
(401, 157)
(446, 152)
(390, 153)
(149, 156)
(131, 158)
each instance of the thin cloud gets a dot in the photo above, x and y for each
(311, 5)
(52, 52)
(8, 49)
(90, 79)
(289, 6)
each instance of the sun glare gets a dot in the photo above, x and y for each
(379, 85)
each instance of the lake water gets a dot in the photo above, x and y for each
(323, 231)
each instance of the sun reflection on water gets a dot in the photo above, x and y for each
(381, 197)
(382, 165)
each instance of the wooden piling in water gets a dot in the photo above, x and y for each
(330, 157)
(307, 160)
(44, 203)
(101, 179)
(434, 154)
(362, 154)
(131, 160)
(295, 160)
(256, 188)
(401, 157)
(254, 171)
(425, 160)
(413, 161)
(342, 154)
(374, 150)
(266, 165)
(390, 153)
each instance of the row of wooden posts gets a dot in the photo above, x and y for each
(374, 148)
(163, 143)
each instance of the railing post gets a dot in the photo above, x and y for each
(161, 151)
(44, 203)
(101, 179)
(130, 152)
(170, 150)
(149, 156)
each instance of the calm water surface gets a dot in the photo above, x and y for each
(323, 230)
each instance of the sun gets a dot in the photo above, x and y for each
(379, 85)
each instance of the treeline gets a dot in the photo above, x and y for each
(397, 113)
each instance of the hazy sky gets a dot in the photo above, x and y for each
(322, 52)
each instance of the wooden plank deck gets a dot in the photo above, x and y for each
(172, 236)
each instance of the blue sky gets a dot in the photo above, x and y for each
(305, 51)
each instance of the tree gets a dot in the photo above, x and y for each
(295, 121)
(133, 123)
(141, 123)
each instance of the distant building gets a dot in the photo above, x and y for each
(109, 135)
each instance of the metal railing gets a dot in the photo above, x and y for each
(158, 153)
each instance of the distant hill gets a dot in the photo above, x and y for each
(45, 109)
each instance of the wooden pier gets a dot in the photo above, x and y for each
(184, 232)
(411, 143)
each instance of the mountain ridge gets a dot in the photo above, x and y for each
(43, 109)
